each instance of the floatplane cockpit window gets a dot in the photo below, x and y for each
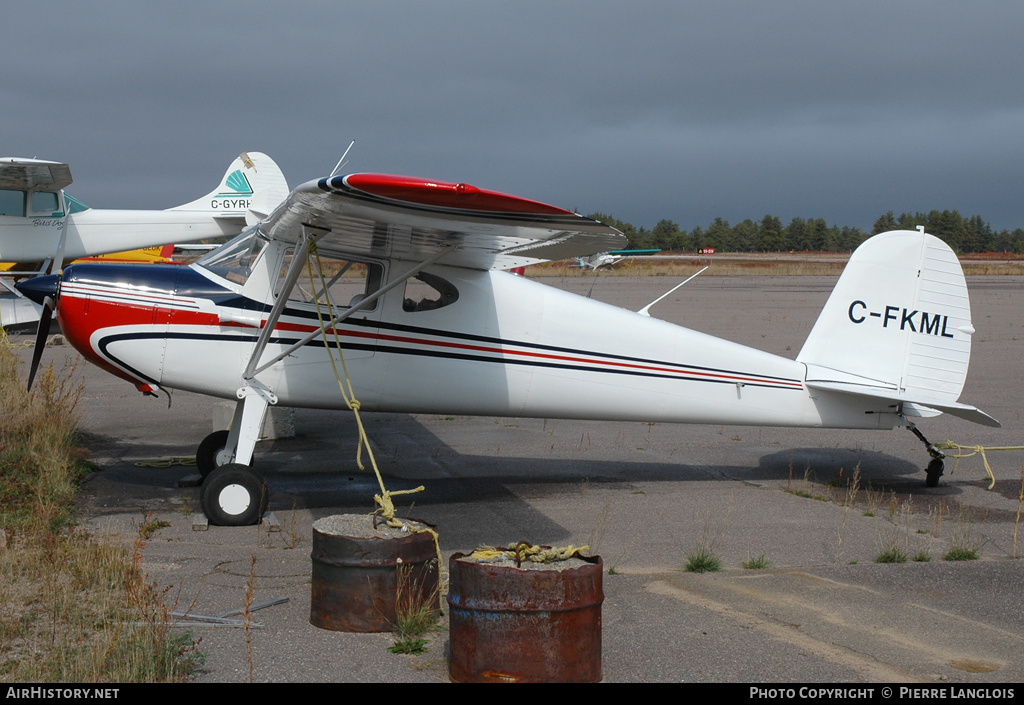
(45, 203)
(12, 203)
(40, 204)
(234, 259)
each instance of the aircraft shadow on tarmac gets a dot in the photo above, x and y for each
(837, 466)
(316, 471)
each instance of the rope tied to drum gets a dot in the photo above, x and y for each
(183, 460)
(523, 551)
(385, 505)
(963, 451)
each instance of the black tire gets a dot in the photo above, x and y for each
(234, 495)
(934, 471)
(206, 455)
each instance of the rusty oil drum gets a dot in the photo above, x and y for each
(524, 626)
(356, 579)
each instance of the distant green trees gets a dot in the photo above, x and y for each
(963, 234)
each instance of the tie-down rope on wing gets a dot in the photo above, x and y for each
(386, 506)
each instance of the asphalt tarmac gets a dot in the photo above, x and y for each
(643, 497)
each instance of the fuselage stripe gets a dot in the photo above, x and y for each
(408, 340)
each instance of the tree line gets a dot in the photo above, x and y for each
(963, 234)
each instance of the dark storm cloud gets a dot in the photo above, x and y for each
(643, 110)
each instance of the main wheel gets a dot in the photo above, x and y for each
(234, 495)
(934, 471)
(210, 454)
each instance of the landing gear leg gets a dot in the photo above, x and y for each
(936, 466)
(234, 494)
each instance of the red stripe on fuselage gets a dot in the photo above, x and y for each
(88, 316)
(544, 356)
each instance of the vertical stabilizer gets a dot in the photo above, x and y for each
(251, 188)
(898, 322)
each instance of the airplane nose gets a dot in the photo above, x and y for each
(38, 288)
(100, 302)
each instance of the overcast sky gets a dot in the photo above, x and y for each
(642, 110)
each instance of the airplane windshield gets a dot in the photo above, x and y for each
(234, 259)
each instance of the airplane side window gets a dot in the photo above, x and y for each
(44, 203)
(346, 282)
(428, 292)
(74, 205)
(12, 203)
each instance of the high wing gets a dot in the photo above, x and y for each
(414, 219)
(18, 174)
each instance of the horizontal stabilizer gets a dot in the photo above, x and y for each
(963, 411)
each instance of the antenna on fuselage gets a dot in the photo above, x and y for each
(340, 161)
(645, 309)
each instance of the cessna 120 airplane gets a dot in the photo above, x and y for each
(42, 225)
(403, 280)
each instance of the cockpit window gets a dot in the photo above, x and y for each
(45, 203)
(234, 259)
(12, 203)
(428, 292)
(333, 281)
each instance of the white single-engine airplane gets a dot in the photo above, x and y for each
(403, 277)
(609, 259)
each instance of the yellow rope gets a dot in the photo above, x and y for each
(167, 462)
(56, 339)
(969, 451)
(384, 501)
(522, 551)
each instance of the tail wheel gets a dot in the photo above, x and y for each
(934, 471)
(234, 495)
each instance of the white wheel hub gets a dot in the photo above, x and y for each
(234, 499)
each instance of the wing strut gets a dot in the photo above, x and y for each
(310, 235)
(251, 371)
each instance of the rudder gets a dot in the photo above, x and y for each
(897, 324)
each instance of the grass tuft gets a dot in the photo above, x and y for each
(702, 561)
(893, 554)
(408, 645)
(961, 553)
(965, 544)
(759, 563)
(416, 608)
